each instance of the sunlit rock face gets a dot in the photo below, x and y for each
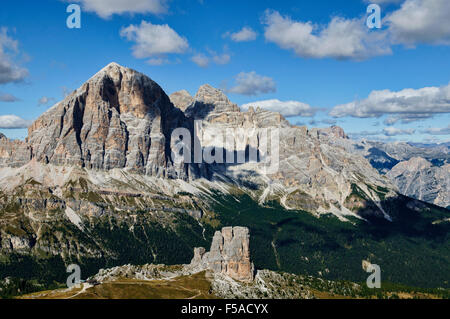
(13, 153)
(229, 254)
(119, 118)
(181, 99)
(419, 179)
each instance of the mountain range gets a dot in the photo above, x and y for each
(95, 183)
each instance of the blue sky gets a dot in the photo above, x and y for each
(316, 61)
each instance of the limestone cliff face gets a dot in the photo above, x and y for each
(118, 119)
(181, 99)
(13, 153)
(312, 174)
(229, 254)
(420, 179)
(121, 119)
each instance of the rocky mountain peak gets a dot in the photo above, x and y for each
(334, 131)
(414, 164)
(181, 99)
(422, 180)
(208, 94)
(210, 100)
(229, 254)
(119, 118)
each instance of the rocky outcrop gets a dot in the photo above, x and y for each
(13, 153)
(181, 99)
(333, 132)
(229, 254)
(209, 100)
(419, 179)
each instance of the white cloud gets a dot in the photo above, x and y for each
(203, 60)
(157, 61)
(415, 22)
(315, 122)
(13, 122)
(407, 105)
(285, 108)
(223, 58)
(391, 120)
(392, 131)
(438, 130)
(340, 39)
(152, 40)
(246, 34)
(420, 21)
(387, 132)
(6, 97)
(252, 83)
(106, 8)
(9, 70)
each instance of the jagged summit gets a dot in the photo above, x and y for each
(229, 254)
(209, 100)
(210, 95)
(181, 99)
(119, 118)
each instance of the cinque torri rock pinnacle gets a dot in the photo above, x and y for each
(229, 254)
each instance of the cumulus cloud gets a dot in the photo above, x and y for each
(387, 132)
(393, 131)
(438, 130)
(107, 8)
(246, 34)
(10, 71)
(157, 61)
(203, 60)
(328, 121)
(154, 41)
(407, 105)
(13, 122)
(391, 120)
(420, 21)
(5, 97)
(365, 133)
(340, 39)
(285, 108)
(223, 58)
(252, 83)
(414, 22)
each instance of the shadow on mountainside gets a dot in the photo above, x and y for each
(412, 249)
